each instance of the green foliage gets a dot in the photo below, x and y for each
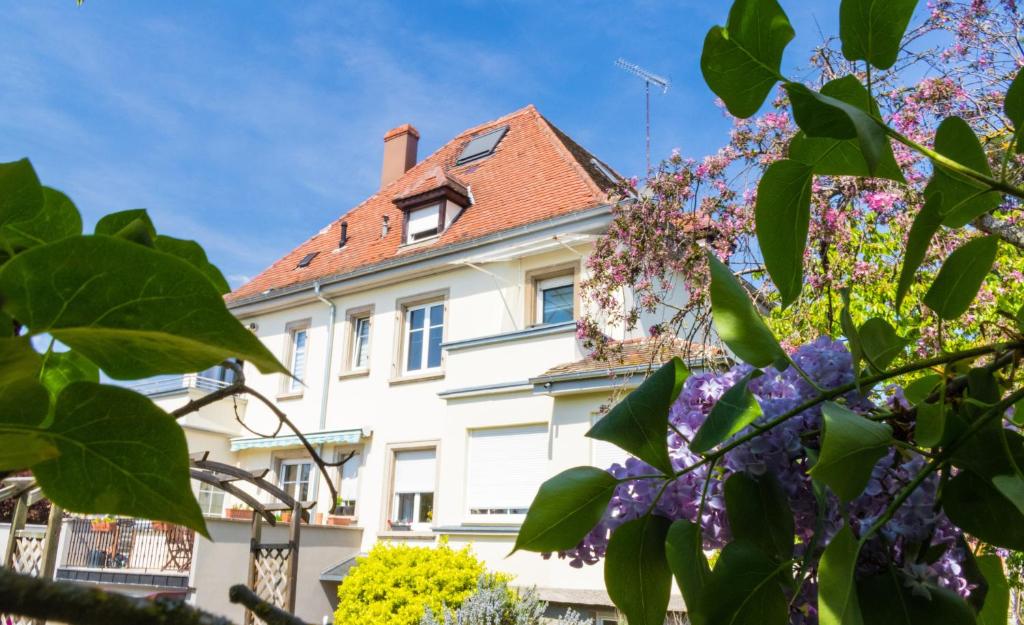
(871, 30)
(494, 603)
(926, 224)
(571, 503)
(735, 410)
(837, 592)
(893, 602)
(879, 343)
(684, 550)
(974, 504)
(745, 588)
(759, 513)
(636, 570)
(738, 324)
(850, 448)
(997, 597)
(963, 198)
(637, 424)
(961, 276)
(396, 583)
(782, 216)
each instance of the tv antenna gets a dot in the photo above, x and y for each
(649, 79)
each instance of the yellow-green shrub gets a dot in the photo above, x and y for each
(395, 583)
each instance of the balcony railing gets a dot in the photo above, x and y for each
(171, 384)
(128, 545)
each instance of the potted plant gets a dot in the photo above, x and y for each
(284, 517)
(102, 524)
(342, 514)
(161, 526)
(238, 512)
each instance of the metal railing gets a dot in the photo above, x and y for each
(129, 545)
(169, 384)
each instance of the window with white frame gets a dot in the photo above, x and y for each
(604, 454)
(423, 223)
(555, 300)
(349, 487)
(298, 349)
(412, 503)
(211, 499)
(295, 478)
(607, 620)
(360, 343)
(424, 333)
(505, 468)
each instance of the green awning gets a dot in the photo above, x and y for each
(315, 438)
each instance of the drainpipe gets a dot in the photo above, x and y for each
(332, 312)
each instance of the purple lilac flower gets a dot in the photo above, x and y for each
(782, 452)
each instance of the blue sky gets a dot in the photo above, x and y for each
(248, 126)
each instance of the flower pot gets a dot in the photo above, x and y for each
(334, 519)
(239, 514)
(286, 517)
(161, 526)
(101, 526)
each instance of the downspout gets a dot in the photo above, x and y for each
(332, 312)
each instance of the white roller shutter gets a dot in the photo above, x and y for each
(350, 479)
(423, 219)
(415, 471)
(505, 468)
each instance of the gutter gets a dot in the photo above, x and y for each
(332, 312)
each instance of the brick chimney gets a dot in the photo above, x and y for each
(399, 153)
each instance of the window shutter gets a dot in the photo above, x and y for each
(415, 471)
(423, 219)
(506, 466)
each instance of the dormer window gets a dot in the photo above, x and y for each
(423, 223)
(431, 204)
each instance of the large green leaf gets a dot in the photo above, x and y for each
(871, 30)
(782, 215)
(960, 277)
(843, 157)
(837, 593)
(119, 454)
(193, 253)
(31, 214)
(741, 61)
(133, 224)
(735, 409)
(636, 572)
(985, 453)
(976, 506)
(685, 552)
(736, 321)
(134, 311)
(21, 195)
(565, 509)
(1011, 487)
(997, 599)
(24, 405)
(963, 199)
(888, 600)
(850, 448)
(759, 512)
(18, 361)
(925, 225)
(930, 425)
(821, 115)
(879, 343)
(745, 588)
(639, 423)
(63, 368)
(1013, 106)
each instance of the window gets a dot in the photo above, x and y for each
(298, 346)
(506, 466)
(295, 478)
(555, 300)
(424, 332)
(211, 499)
(423, 223)
(481, 146)
(349, 486)
(412, 504)
(360, 343)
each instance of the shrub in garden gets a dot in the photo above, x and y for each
(396, 583)
(494, 603)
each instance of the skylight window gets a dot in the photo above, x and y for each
(308, 258)
(481, 146)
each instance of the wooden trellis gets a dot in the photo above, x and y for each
(29, 551)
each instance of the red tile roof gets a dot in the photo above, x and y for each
(535, 173)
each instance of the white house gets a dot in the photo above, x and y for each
(432, 331)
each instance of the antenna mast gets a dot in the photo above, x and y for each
(649, 79)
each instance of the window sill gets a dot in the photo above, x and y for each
(417, 377)
(355, 373)
(290, 395)
(418, 534)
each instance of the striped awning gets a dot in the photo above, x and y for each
(315, 438)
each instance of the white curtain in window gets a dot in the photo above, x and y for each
(506, 466)
(349, 478)
(415, 471)
(423, 219)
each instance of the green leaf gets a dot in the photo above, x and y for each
(735, 409)
(960, 277)
(821, 115)
(639, 423)
(745, 588)
(565, 509)
(759, 512)
(685, 552)
(974, 505)
(850, 330)
(736, 321)
(880, 343)
(963, 199)
(985, 454)
(844, 157)
(925, 225)
(850, 448)
(741, 61)
(119, 454)
(24, 449)
(23, 408)
(997, 600)
(1013, 105)
(1011, 487)
(63, 368)
(21, 195)
(134, 311)
(871, 30)
(57, 219)
(782, 215)
(133, 224)
(837, 593)
(636, 572)
(888, 600)
(193, 253)
(922, 388)
(930, 425)
(18, 361)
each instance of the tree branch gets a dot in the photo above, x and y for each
(1012, 234)
(267, 612)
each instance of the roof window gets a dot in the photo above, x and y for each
(308, 258)
(479, 147)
